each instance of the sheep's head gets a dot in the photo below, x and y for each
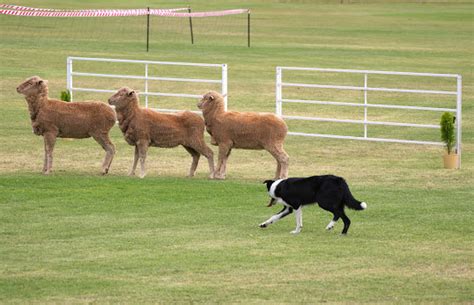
(210, 100)
(124, 97)
(32, 86)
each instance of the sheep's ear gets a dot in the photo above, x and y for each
(211, 97)
(40, 82)
(224, 95)
(131, 93)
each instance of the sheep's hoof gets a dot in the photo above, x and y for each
(219, 177)
(46, 172)
(142, 176)
(131, 174)
(105, 171)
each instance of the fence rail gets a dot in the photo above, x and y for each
(280, 84)
(146, 78)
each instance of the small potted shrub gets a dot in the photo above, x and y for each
(451, 158)
(66, 96)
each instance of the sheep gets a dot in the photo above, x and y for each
(52, 118)
(143, 127)
(247, 130)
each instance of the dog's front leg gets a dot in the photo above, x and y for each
(299, 220)
(286, 211)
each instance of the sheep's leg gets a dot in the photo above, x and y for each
(285, 162)
(142, 151)
(282, 159)
(104, 141)
(224, 152)
(49, 141)
(45, 162)
(135, 162)
(204, 150)
(225, 163)
(278, 170)
(195, 162)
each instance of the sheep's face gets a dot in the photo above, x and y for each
(209, 100)
(123, 98)
(33, 85)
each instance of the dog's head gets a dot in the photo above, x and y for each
(269, 183)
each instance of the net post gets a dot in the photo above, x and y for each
(148, 29)
(191, 25)
(248, 28)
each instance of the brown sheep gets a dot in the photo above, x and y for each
(247, 130)
(144, 127)
(53, 118)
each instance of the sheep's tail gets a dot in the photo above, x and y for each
(350, 201)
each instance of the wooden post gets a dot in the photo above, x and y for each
(148, 29)
(248, 28)
(191, 25)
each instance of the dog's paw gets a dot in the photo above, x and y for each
(262, 225)
(330, 225)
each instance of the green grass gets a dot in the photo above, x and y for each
(78, 237)
(191, 240)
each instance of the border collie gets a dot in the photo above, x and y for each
(330, 192)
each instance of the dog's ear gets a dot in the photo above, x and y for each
(268, 183)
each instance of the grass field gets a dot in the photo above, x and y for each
(77, 237)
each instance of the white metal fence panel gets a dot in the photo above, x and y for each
(146, 77)
(280, 84)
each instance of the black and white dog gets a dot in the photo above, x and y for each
(330, 192)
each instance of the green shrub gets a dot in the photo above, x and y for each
(447, 131)
(66, 96)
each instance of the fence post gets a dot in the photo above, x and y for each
(365, 105)
(69, 75)
(146, 85)
(459, 117)
(278, 101)
(224, 85)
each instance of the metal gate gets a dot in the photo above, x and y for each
(280, 84)
(146, 77)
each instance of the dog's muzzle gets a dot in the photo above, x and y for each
(272, 202)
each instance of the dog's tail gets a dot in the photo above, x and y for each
(350, 201)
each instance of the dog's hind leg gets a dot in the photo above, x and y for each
(347, 223)
(332, 223)
(285, 212)
(299, 220)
